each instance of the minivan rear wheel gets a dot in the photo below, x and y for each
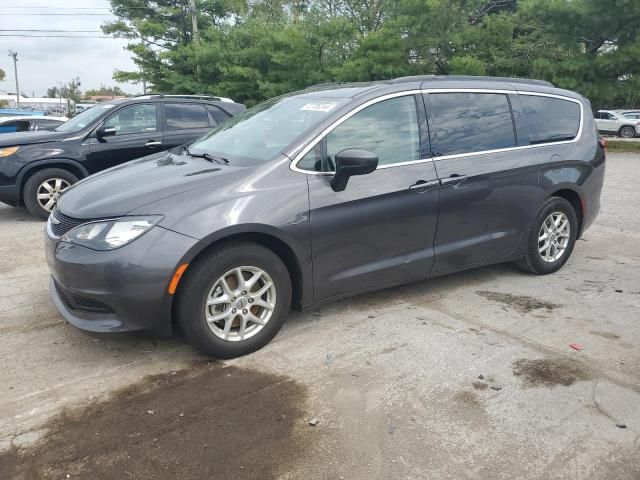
(234, 300)
(42, 189)
(627, 132)
(551, 237)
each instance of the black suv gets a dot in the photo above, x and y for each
(36, 167)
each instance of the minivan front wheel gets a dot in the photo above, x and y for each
(234, 300)
(42, 189)
(551, 238)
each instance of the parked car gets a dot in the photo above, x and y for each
(323, 194)
(36, 167)
(633, 115)
(29, 123)
(613, 122)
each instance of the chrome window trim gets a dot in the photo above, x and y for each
(294, 164)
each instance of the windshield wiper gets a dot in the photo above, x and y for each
(206, 156)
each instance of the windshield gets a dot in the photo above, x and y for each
(83, 119)
(266, 129)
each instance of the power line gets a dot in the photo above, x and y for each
(57, 14)
(71, 8)
(51, 36)
(50, 31)
(58, 8)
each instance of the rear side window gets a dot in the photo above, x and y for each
(47, 124)
(218, 115)
(469, 122)
(181, 116)
(15, 126)
(550, 119)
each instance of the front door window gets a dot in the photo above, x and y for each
(134, 119)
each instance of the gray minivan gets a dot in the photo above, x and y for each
(325, 193)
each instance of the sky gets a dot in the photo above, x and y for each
(43, 62)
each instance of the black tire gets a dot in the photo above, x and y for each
(200, 277)
(532, 261)
(627, 132)
(29, 196)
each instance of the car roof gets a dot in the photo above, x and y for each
(32, 117)
(227, 105)
(354, 90)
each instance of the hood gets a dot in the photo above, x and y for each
(124, 188)
(30, 138)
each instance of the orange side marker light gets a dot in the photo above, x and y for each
(176, 278)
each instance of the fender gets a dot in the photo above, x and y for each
(569, 175)
(38, 164)
(302, 263)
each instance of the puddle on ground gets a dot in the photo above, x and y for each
(466, 407)
(205, 422)
(521, 303)
(549, 372)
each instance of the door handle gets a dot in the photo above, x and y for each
(153, 143)
(452, 180)
(423, 185)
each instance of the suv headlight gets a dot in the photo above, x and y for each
(110, 234)
(6, 151)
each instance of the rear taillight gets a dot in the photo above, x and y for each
(603, 143)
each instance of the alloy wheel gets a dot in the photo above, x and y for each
(49, 191)
(627, 132)
(553, 238)
(240, 303)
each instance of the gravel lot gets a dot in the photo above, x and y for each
(464, 376)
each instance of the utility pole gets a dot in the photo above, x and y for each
(142, 74)
(196, 35)
(14, 55)
(194, 21)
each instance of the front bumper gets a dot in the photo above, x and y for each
(119, 290)
(10, 194)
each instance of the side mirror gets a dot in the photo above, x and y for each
(351, 162)
(105, 132)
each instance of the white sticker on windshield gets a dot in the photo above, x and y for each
(108, 105)
(319, 107)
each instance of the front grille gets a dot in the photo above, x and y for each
(61, 224)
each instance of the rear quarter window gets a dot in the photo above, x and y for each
(548, 119)
(218, 115)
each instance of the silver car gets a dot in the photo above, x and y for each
(615, 122)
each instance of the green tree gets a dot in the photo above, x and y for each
(53, 92)
(69, 90)
(252, 50)
(104, 91)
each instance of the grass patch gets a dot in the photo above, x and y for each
(620, 147)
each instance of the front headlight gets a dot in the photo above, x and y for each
(6, 151)
(110, 234)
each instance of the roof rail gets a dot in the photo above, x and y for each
(321, 86)
(196, 97)
(418, 78)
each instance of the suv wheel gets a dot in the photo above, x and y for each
(43, 188)
(627, 132)
(551, 238)
(234, 300)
